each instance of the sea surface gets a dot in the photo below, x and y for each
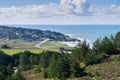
(88, 32)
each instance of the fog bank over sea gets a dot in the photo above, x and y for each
(88, 32)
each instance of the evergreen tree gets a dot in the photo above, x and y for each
(80, 52)
(10, 69)
(74, 69)
(107, 45)
(117, 40)
(24, 61)
(59, 67)
(36, 60)
(31, 59)
(17, 76)
(45, 59)
(97, 46)
(3, 72)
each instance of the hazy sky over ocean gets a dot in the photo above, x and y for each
(59, 11)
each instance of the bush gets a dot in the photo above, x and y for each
(37, 70)
(5, 47)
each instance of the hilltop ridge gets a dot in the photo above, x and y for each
(11, 33)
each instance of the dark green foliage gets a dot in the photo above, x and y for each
(24, 60)
(36, 60)
(101, 48)
(3, 72)
(21, 60)
(45, 59)
(17, 76)
(31, 59)
(59, 67)
(37, 70)
(10, 69)
(117, 39)
(74, 69)
(45, 73)
(80, 51)
(84, 54)
(61, 50)
(5, 47)
(107, 45)
(97, 46)
(93, 57)
(4, 58)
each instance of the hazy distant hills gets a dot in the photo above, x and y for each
(11, 33)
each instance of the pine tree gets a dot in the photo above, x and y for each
(59, 67)
(74, 69)
(117, 39)
(24, 61)
(31, 59)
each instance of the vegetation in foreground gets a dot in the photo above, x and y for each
(102, 62)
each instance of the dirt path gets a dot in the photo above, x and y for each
(41, 42)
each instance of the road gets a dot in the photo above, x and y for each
(41, 42)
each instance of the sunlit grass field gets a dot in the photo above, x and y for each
(14, 51)
(21, 46)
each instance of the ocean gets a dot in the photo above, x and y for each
(88, 32)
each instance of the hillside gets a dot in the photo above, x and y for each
(108, 70)
(11, 33)
(102, 62)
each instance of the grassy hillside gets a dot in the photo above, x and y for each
(108, 70)
(54, 46)
(21, 46)
(105, 71)
(14, 51)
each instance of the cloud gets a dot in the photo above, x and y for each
(75, 6)
(66, 12)
(111, 11)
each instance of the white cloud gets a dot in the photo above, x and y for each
(109, 11)
(67, 12)
(113, 6)
(75, 6)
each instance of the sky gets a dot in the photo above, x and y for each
(60, 12)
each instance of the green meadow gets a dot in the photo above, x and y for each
(17, 46)
(14, 51)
